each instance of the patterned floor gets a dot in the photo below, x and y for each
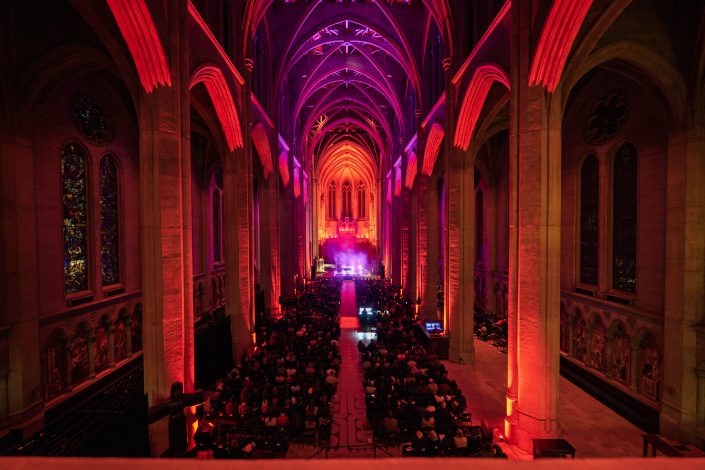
(350, 437)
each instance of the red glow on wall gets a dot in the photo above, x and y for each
(261, 141)
(433, 146)
(305, 188)
(137, 27)
(389, 188)
(559, 32)
(297, 179)
(397, 179)
(214, 80)
(474, 100)
(411, 169)
(214, 42)
(284, 168)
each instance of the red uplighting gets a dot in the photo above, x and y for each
(214, 80)
(397, 179)
(214, 42)
(475, 97)
(411, 169)
(137, 27)
(284, 168)
(261, 141)
(297, 179)
(433, 146)
(389, 189)
(559, 32)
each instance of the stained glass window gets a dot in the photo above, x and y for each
(109, 221)
(75, 215)
(479, 226)
(90, 119)
(331, 201)
(589, 219)
(624, 222)
(347, 199)
(217, 252)
(361, 201)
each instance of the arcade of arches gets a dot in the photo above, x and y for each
(538, 164)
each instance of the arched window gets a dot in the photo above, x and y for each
(589, 219)
(361, 201)
(624, 222)
(109, 221)
(479, 226)
(347, 199)
(331, 200)
(75, 219)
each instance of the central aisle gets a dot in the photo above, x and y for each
(348, 307)
(350, 433)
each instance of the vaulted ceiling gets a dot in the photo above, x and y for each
(348, 69)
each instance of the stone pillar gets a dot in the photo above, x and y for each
(315, 201)
(491, 246)
(269, 233)
(4, 404)
(535, 175)
(19, 290)
(428, 192)
(237, 250)
(408, 241)
(459, 292)
(685, 282)
(287, 234)
(460, 240)
(165, 205)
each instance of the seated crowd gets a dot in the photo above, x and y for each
(281, 389)
(489, 328)
(409, 396)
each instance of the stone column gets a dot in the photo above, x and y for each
(428, 190)
(460, 293)
(269, 232)
(165, 205)
(396, 239)
(408, 240)
(4, 404)
(19, 289)
(685, 281)
(535, 175)
(460, 240)
(287, 237)
(491, 246)
(237, 250)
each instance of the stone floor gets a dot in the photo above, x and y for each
(592, 428)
